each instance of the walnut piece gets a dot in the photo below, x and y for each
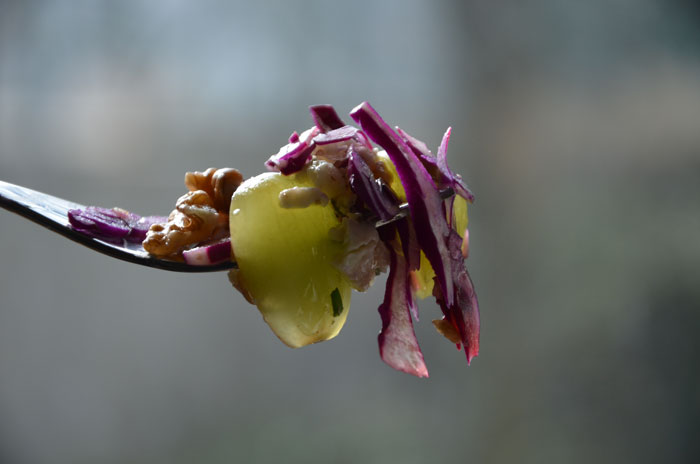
(193, 220)
(218, 183)
(224, 182)
(201, 215)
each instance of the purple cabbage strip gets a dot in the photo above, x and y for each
(409, 243)
(139, 229)
(463, 314)
(336, 135)
(455, 180)
(425, 204)
(424, 155)
(368, 189)
(220, 251)
(99, 223)
(113, 225)
(325, 118)
(364, 140)
(411, 253)
(398, 346)
(437, 167)
(213, 253)
(293, 156)
(418, 147)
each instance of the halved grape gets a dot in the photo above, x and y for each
(285, 260)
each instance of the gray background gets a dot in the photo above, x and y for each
(577, 125)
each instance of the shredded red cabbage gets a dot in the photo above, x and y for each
(294, 156)
(329, 128)
(452, 180)
(398, 346)
(424, 202)
(424, 155)
(379, 200)
(411, 252)
(340, 134)
(428, 229)
(325, 118)
(437, 167)
(463, 314)
(409, 243)
(209, 254)
(112, 225)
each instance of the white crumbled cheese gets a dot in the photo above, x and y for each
(332, 152)
(328, 178)
(364, 254)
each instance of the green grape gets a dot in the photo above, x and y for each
(461, 218)
(285, 260)
(395, 184)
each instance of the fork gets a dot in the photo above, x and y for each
(52, 212)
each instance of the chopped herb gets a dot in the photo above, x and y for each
(337, 303)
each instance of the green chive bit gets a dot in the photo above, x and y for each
(337, 302)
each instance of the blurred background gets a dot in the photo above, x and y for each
(577, 125)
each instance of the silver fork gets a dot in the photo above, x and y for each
(52, 212)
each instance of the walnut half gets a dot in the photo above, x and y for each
(200, 215)
(218, 183)
(193, 220)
